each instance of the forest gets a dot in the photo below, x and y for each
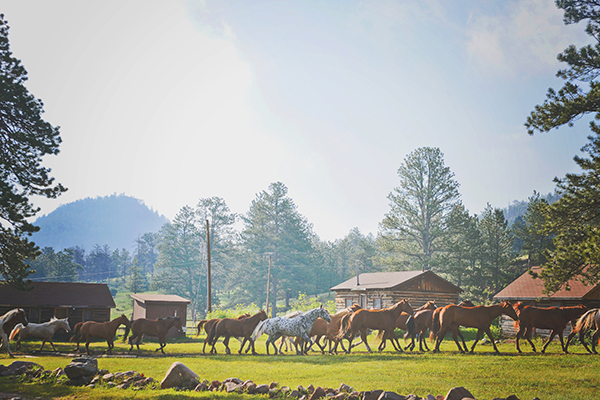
(424, 229)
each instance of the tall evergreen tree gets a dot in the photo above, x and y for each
(273, 228)
(530, 231)
(24, 139)
(414, 228)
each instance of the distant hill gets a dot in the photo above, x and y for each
(519, 208)
(115, 221)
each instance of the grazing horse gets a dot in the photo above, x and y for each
(480, 317)
(43, 331)
(153, 327)
(383, 320)
(588, 321)
(7, 322)
(553, 318)
(102, 330)
(229, 327)
(297, 326)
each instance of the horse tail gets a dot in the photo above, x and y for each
(410, 327)
(200, 325)
(127, 329)
(586, 321)
(259, 330)
(213, 333)
(76, 331)
(344, 326)
(15, 330)
(435, 326)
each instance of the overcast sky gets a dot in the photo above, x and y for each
(173, 101)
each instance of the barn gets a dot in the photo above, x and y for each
(154, 306)
(75, 300)
(377, 290)
(530, 291)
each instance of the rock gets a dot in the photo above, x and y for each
(250, 387)
(372, 395)
(82, 369)
(234, 380)
(273, 385)
(262, 389)
(458, 393)
(413, 397)
(340, 396)
(391, 396)
(345, 388)
(215, 384)
(58, 372)
(310, 388)
(18, 368)
(231, 387)
(201, 387)
(275, 392)
(108, 377)
(317, 393)
(295, 394)
(302, 389)
(111, 384)
(178, 375)
(512, 397)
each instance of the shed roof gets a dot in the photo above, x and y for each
(159, 298)
(387, 280)
(59, 294)
(526, 287)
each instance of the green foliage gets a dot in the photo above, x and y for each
(25, 138)
(412, 231)
(530, 230)
(233, 312)
(56, 267)
(305, 303)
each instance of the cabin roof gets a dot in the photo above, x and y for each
(59, 294)
(388, 280)
(159, 298)
(526, 287)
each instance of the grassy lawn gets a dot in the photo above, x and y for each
(550, 376)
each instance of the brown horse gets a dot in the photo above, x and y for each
(7, 323)
(208, 325)
(103, 330)
(435, 323)
(229, 327)
(384, 320)
(588, 321)
(480, 317)
(417, 324)
(553, 318)
(153, 327)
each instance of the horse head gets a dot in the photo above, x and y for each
(323, 313)
(64, 323)
(509, 310)
(177, 324)
(125, 321)
(21, 317)
(466, 303)
(404, 305)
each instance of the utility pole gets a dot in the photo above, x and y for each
(208, 282)
(269, 281)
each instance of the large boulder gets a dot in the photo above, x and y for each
(458, 393)
(81, 370)
(178, 375)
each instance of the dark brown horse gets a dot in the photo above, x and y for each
(208, 325)
(229, 327)
(480, 317)
(7, 323)
(435, 323)
(384, 320)
(552, 318)
(102, 330)
(153, 327)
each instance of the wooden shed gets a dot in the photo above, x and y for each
(154, 306)
(530, 291)
(383, 289)
(75, 300)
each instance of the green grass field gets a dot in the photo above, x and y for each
(550, 376)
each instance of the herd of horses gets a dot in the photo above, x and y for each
(304, 330)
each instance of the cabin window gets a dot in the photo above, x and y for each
(34, 315)
(377, 303)
(61, 313)
(348, 303)
(88, 315)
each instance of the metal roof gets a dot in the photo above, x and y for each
(385, 280)
(526, 287)
(159, 298)
(59, 294)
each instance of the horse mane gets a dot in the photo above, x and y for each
(9, 315)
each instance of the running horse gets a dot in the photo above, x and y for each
(7, 322)
(553, 318)
(153, 327)
(229, 327)
(434, 324)
(297, 326)
(208, 325)
(588, 321)
(44, 331)
(384, 320)
(480, 317)
(103, 330)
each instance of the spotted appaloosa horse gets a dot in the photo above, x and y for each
(8, 321)
(299, 326)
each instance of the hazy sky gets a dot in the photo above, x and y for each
(173, 101)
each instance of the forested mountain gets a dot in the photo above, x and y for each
(115, 220)
(518, 208)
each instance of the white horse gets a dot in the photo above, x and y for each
(299, 326)
(8, 322)
(43, 331)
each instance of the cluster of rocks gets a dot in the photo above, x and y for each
(180, 377)
(84, 371)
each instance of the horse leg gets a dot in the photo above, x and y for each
(459, 333)
(548, 342)
(87, 345)
(455, 330)
(562, 344)
(527, 336)
(477, 338)
(5, 342)
(595, 340)
(51, 343)
(363, 336)
(519, 335)
(162, 340)
(489, 333)
(226, 343)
